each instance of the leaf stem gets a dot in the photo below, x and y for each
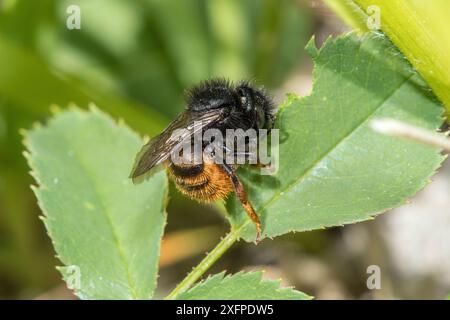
(205, 264)
(350, 12)
(401, 129)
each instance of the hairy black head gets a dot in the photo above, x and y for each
(242, 104)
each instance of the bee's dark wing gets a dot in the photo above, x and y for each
(158, 149)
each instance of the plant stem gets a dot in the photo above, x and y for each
(349, 12)
(401, 129)
(417, 28)
(205, 264)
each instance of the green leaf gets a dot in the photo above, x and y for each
(333, 169)
(100, 223)
(418, 28)
(241, 286)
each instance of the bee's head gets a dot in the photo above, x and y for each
(256, 104)
(243, 104)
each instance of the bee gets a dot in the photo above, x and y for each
(213, 104)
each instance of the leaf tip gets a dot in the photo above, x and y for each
(36, 125)
(93, 107)
(55, 109)
(311, 47)
(72, 106)
(23, 132)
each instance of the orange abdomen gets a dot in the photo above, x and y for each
(205, 182)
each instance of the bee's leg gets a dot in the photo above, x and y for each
(242, 196)
(260, 165)
(247, 154)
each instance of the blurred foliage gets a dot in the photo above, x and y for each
(150, 51)
(133, 59)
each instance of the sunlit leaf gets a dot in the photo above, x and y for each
(333, 168)
(104, 228)
(241, 286)
(420, 30)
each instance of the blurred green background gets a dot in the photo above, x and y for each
(134, 59)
